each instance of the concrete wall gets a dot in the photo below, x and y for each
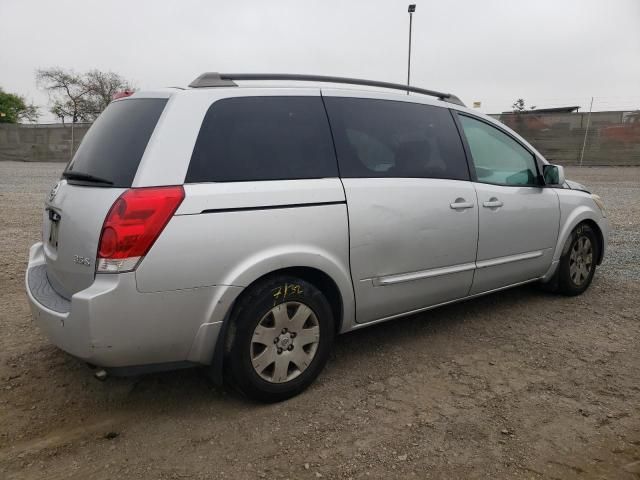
(613, 138)
(39, 143)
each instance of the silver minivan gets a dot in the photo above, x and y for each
(241, 228)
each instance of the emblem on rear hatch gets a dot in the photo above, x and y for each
(81, 260)
(54, 191)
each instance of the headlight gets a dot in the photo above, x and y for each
(598, 201)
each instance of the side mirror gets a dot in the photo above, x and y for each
(553, 175)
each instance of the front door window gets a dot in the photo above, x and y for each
(498, 159)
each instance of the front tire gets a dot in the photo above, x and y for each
(282, 334)
(578, 263)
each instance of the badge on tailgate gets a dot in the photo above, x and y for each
(81, 260)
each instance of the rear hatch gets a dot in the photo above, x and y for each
(101, 170)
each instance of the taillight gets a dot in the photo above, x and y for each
(133, 224)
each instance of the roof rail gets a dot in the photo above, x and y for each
(215, 79)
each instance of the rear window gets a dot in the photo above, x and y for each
(386, 138)
(263, 138)
(113, 147)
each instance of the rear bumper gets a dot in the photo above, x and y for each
(112, 324)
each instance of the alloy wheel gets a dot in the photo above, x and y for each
(580, 260)
(284, 342)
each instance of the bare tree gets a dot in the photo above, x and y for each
(102, 86)
(80, 97)
(31, 113)
(67, 93)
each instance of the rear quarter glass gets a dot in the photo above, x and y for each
(114, 145)
(263, 138)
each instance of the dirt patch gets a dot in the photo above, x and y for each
(520, 384)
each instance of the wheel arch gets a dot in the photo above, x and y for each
(579, 216)
(323, 281)
(316, 265)
(599, 237)
(331, 280)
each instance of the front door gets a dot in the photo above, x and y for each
(518, 217)
(413, 215)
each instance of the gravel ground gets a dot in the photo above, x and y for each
(520, 384)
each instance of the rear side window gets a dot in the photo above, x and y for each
(113, 147)
(263, 138)
(385, 138)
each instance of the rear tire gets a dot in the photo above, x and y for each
(282, 332)
(578, 263)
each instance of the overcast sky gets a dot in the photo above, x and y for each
(549, 52)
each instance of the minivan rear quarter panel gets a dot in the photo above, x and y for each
(235, 246)
(229, 232)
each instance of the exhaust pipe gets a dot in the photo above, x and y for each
(101, 375)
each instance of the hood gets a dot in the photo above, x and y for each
(576, 186)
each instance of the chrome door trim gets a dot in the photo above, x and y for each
(411, 276)
(508, 259)
(464, 267)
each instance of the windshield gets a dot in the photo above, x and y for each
(111, 151)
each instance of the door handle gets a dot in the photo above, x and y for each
(492, 203)
(461, 204)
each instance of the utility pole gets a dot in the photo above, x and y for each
(586, 131)
(412, 8)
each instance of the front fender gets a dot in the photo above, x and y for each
(575, 208)
(577, 216)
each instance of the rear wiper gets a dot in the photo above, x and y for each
(86, 177)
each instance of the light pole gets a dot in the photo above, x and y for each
(412, 8)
